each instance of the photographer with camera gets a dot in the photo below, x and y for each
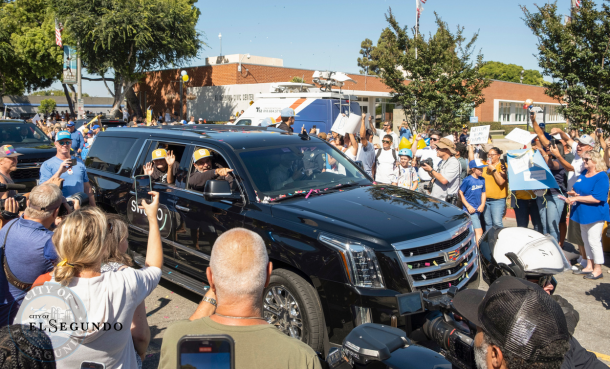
(446, 182)
(238, 273)
(427, 155)
(63, 167)
(27, 250)
(518, 325)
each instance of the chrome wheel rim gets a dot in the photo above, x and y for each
(281, 309)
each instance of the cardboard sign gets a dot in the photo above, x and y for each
(520, 135)
(527, 170)
(479, 135)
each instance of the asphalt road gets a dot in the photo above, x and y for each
(169, 303)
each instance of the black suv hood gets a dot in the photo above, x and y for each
(380, 214)
(36, 151)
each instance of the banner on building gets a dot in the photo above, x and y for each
(527, 170)
(69, 68)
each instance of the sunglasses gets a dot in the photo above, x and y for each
(386, 142)
(433, 139)
(386, 125)
(586, 160)
(65, 143)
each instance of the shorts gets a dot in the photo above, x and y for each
(574, 235)
(476, 220)
(564, 213)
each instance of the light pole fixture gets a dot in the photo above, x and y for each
(521, 77)
(220, 38)
(242, 58)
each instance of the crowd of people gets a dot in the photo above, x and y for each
(85, 248)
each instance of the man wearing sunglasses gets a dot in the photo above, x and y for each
(428, 152)
(60, 167)
(388, 130)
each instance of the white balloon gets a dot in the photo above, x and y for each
(183, 73)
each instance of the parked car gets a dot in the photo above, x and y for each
(29, 140)
(342, 248)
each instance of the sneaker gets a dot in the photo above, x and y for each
(577, 267)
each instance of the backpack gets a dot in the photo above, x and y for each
(379, 153)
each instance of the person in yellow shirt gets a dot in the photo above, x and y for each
(496, 188)
(525, 208)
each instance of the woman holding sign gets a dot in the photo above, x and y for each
(496, 189)
(590, 209)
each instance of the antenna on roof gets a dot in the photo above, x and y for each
(328, 79)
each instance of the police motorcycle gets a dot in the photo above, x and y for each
(519, 252)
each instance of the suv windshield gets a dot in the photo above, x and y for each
(18, 134)
(290, 169)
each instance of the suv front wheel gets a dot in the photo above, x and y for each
(292, 305)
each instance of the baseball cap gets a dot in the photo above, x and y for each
(159, 154)
(96, 126)
(476, 163)
(586, 140)
(288, 112)
(542, 126)
(183, 121)
(516, 313)
(445, 143)
(70, 124)
(267, 122)
(8, 151)
(200, 154)
(201, 119)
(63, 135)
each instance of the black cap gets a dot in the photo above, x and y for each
(517, 314)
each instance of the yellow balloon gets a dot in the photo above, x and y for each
(404, 144)
(185, 78)
(421, 144)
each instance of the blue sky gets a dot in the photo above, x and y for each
(318, 34)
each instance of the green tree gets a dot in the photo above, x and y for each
(367, 63)
(47, 106)
(576, 55)
(53, 93)
(511, 73)
(29, 58)
(297, 79)
(129, 38)
(444, 80)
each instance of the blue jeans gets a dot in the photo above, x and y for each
(494, 211)
(525, 209)
(550, 208)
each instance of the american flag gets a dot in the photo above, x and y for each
(419, 7)
(58, 29)
(577, 3)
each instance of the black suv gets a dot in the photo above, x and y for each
(29, 140)
(342, 248)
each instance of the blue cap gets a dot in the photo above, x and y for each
(288, 112)
(405, 152)
(95, 127)
(476, 163)
(63, 135)
(542, 125)
(183, 121)
(70, 124)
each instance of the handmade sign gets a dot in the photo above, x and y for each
(527, 170)
(479, 135)
(521, 136)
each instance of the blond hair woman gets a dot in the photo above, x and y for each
(81, 242)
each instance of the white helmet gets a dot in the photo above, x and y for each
(521, 252)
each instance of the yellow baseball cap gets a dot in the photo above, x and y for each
(159, 154)
(200, 154)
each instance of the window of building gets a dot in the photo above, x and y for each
(108, 153)
(514, 113)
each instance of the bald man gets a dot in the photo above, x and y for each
(239, 271)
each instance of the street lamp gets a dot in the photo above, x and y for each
(242, 58)
(521, 77)
(220, 38)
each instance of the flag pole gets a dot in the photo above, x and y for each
(415, 39)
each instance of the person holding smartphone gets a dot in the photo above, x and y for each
(64, 166)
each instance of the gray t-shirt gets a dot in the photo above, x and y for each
(450, 169)
(367, 156)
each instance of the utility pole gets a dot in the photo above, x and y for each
(220, 38)
(521, 76)
(79, 84)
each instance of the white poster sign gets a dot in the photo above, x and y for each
(521, 164)
(36, 119)
(520, 135)
(479, 135)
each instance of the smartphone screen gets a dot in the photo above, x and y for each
(91, 365)
(73, 162)
(142, 186)
(206, 351)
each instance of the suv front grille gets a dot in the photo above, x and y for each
(440, 261)
(32, 160)
(32, 173)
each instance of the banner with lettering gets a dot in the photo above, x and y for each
(527, 170)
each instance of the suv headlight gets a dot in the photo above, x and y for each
(359, 260)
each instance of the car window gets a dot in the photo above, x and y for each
(19, 134)
(244, 122)
(298, 168)
(109, 153)
(160, 175)
(196, 179)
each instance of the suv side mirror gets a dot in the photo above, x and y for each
(216, 190)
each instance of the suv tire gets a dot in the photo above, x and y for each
(292, 305)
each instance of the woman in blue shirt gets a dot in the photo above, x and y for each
(589, 200)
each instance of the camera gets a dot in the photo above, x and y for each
(427, 161)
(452, 199)
(21, 203)
(82, 198)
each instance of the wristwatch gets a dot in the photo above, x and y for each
(495, 170)
(209, 300)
